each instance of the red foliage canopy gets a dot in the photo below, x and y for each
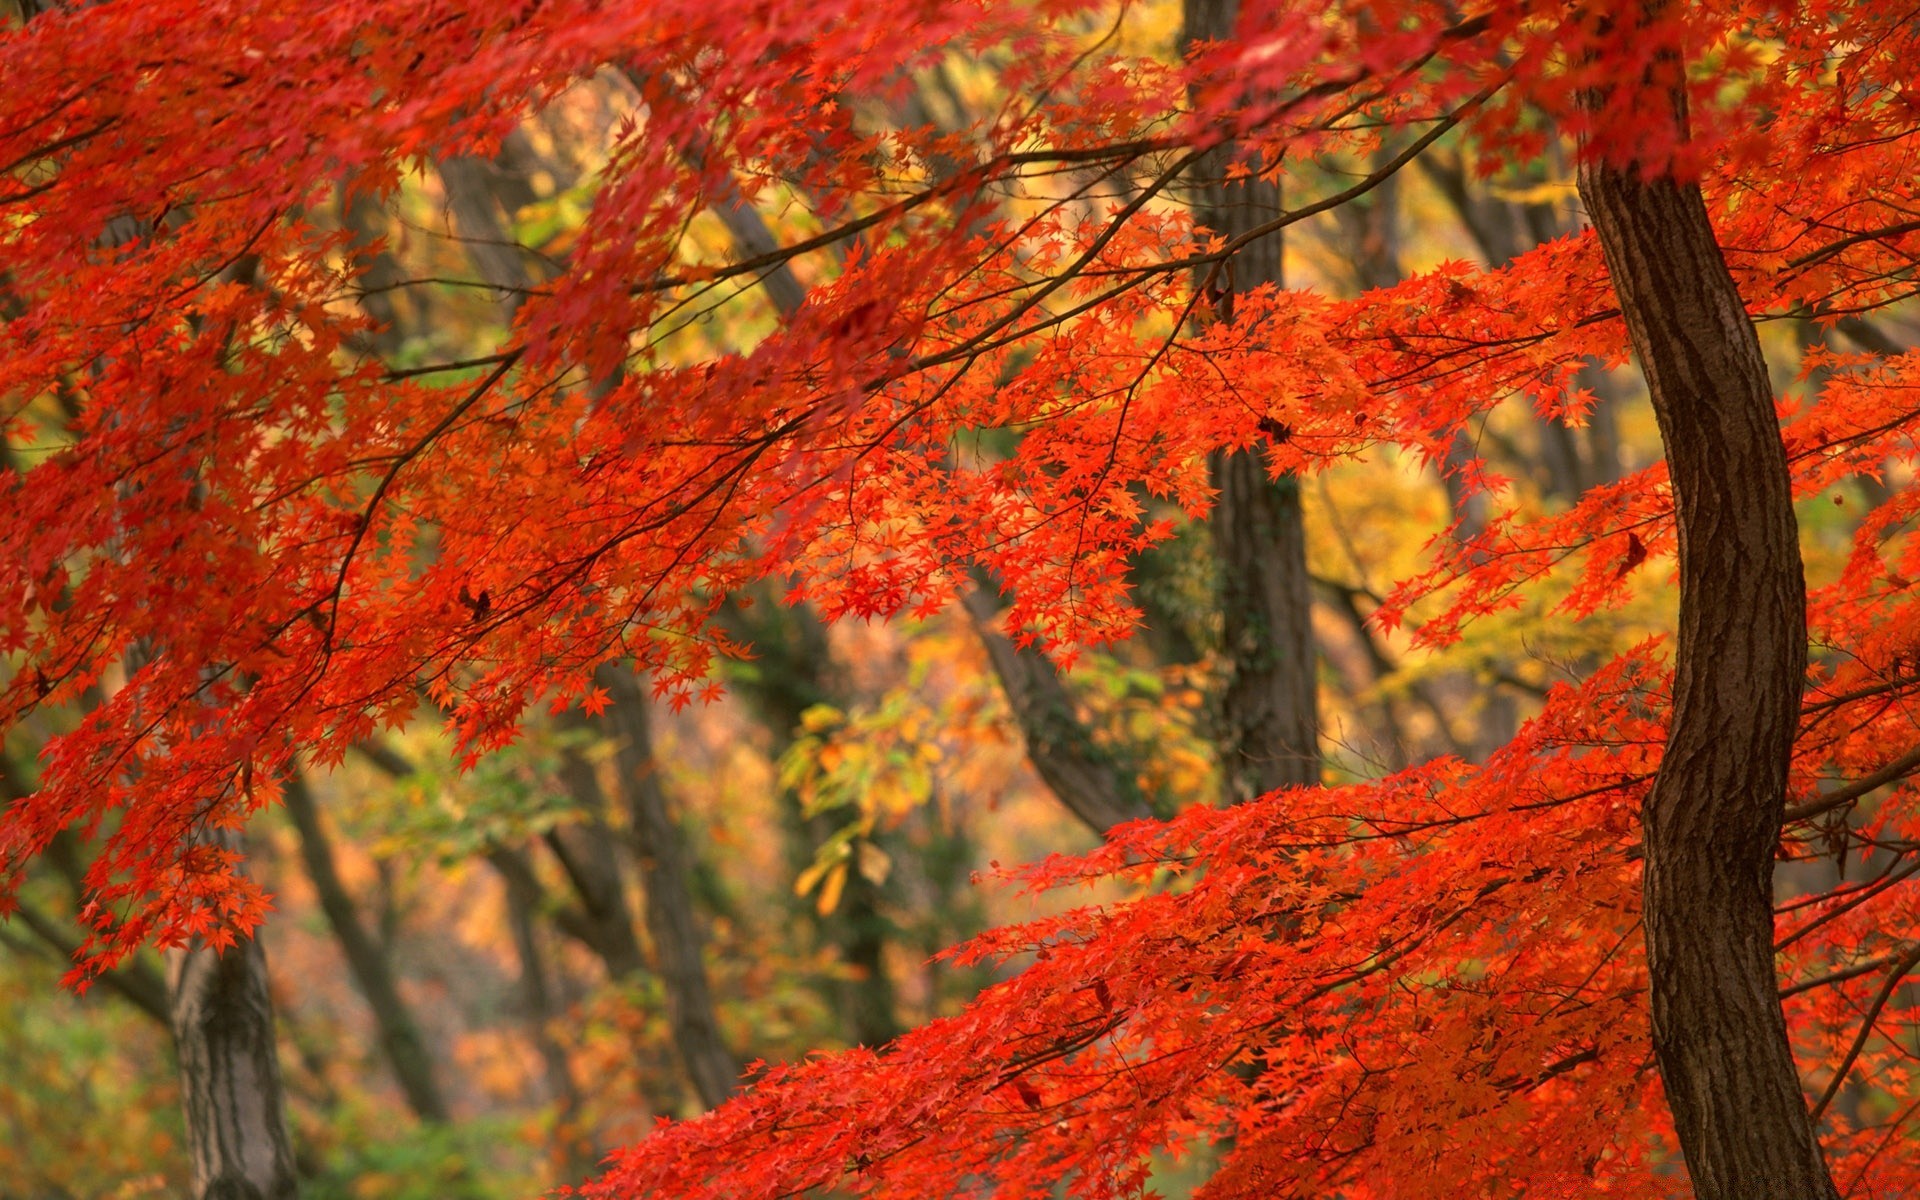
(252, 539)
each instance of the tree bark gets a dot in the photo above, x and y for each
(679, 944)
(1093, 785)
(230, 1073)
(1712, 822)
(400, 1040)
(1268, 720)
(1269, 724)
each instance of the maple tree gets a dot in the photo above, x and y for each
(236, 534)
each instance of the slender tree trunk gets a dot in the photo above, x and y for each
(1712, 822)
(587, 854)
(1095, 788)
(230, 1073)
(400, 1040)
(573, 1156)
(1269, 723)
(679, 944)
(1094, 785)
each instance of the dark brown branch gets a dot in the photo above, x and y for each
(1901, 967)
(1900, 768)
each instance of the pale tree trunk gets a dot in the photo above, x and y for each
(222, 1020)
(1712, 822)
(1268, 722)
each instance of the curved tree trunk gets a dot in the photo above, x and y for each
(1269, 723)
(679, 943)
(230, 1073)
(367, 958)
(1712, 822)
(1093, 784)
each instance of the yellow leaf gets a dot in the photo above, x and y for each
(821, 717)
(806, 880)
(830, 894)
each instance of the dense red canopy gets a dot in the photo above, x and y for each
(252, 539)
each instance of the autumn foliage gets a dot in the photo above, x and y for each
(250, 538)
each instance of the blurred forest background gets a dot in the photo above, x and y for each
(485, 981)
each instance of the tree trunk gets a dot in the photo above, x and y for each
(1712, 822)
(1093, 787)
(1091, 781)
(1269, 724)
(679, 944)
(1269, 727)
(230, 1073)
(400, 1040)
(587, 854)
(573, 1155)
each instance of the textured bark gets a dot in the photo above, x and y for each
(679, 944)
(1088, 780)
(222, 1020)
(587, 852)
(1269, 723)
(1712, 821)
(400, 1041)
(1269, 735)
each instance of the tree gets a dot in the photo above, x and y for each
(1712, 822)
(259, 540)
